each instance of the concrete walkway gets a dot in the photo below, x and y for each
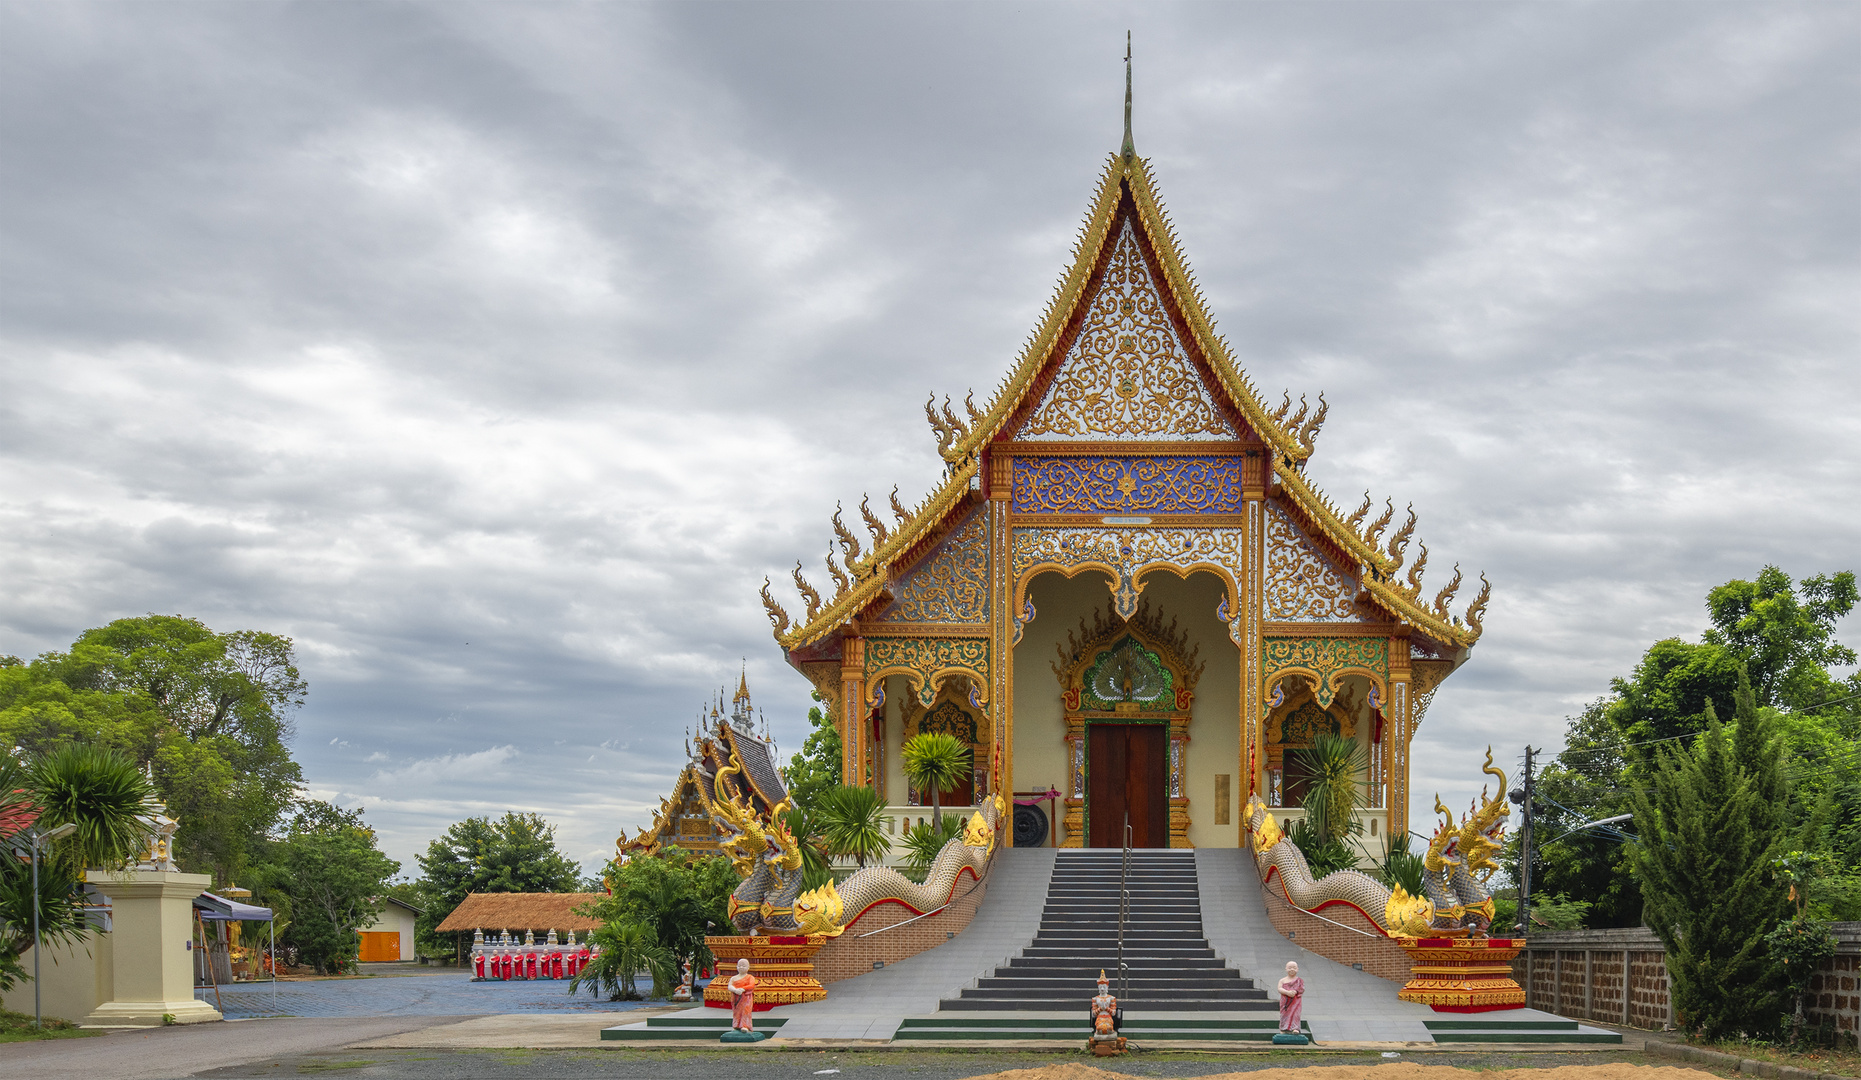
(1342, 1004)
(871, 1006)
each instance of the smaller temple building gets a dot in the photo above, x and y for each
(684, 818)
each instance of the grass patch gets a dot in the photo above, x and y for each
(17, 1027)
(1815, 1058)
(314, 1065)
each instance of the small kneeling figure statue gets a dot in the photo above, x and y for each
(1106, 1018)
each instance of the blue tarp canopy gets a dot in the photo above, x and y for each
(223, 910)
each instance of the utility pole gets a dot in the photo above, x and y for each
(1524, 798)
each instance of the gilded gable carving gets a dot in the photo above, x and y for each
(1302, 585)
(1127, 375)
(952, 585)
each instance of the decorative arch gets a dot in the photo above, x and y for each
(1136, 670)
(928, 663)
(1322, 663)
(954, 710)
(1293, 725)
(1129, 555)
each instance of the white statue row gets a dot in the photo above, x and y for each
(505, 959)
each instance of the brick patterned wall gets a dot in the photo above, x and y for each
(850, 954)
(1571, 978)
(1607, 988)
(1649, 1006)
(1584, 975)
(1834, 997)
(1376, 952)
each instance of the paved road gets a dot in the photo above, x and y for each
(793, 1065)
(161, 1053)
(442, 993)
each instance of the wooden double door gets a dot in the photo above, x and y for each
(1127, 773)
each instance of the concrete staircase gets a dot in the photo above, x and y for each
(1169, 963)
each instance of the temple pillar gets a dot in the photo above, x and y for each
(152, 969)
(1248, 593)
(854, 730)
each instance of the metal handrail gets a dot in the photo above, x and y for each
(1124, 908)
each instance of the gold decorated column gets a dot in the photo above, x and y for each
(853, 735)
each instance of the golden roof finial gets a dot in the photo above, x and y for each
(1129, 149)
(743, 682)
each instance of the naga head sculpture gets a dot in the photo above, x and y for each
(820, 911)
(1408, 916)
(1483, 832)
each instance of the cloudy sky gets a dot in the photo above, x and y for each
(496, 352)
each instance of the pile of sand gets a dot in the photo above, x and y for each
(1395, 1070)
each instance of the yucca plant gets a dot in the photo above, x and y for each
(934, 762)
(923, 842)
(816, 868)
(1332, 765)
(852, 822)
(1401, 866)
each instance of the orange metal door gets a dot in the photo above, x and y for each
(381, 946)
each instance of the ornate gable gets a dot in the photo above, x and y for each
(1127, 374)
(950, 584)
(1303, 582)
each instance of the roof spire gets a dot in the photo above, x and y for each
(1129, 149)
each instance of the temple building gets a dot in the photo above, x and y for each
(684, 818)
(1126, 594)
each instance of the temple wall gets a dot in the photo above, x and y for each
(895, 788)
(1039, 720)
(1215, 719)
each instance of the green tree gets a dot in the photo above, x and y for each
(934, 761)
(332, 877)
(210, 713)
(1667, 695)
(924, 841)
(1588, 781)
(675, 898)
(1783, 632)
(852, 822)
(816, 769)
(515, 853)
(1708, 839)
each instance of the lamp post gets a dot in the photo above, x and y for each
(38, 841)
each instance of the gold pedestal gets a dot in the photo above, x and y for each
(783, 966)
(1464, 975)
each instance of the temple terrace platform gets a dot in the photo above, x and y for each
(904, 1005)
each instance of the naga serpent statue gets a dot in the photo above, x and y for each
(763, 852)
(767, 856)
(1458, 860)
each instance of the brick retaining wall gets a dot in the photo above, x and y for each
(1358, 942)
(851, 954)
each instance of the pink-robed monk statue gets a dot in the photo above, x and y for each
(742, 988)
(1291, 998)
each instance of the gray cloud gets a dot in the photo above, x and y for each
(553, 329)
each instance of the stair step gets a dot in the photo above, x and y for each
(1027, 1004)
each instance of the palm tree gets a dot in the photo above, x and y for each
(624, 949)
(807, 827)
(852, 822)
(103, 794)
(106, 797)
(1332, 790)
(934, 762)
